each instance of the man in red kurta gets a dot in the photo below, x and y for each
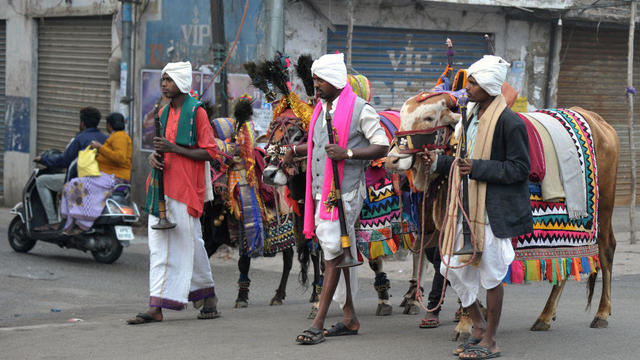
(179, 265)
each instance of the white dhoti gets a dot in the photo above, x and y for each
(496, 257)
(179, 265)
(328, 233)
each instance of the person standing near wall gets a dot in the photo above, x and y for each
(179, 265)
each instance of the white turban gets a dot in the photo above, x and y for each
(180, 73)
(331, 68)
(490, 72)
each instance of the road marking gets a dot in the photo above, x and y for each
(44, 326)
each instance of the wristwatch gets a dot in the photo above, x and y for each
(349, 153)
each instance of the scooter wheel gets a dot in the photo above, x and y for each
(110, 253)
(18, 237)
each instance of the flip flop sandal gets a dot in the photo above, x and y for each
(208, 313)
(429, 323)
(478, 353)
(471, 341)
(339, 329)
(311, 336)
(141, 318)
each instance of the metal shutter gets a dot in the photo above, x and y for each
(593, 75)
(401, 62)
(73, 56)
(3, 98)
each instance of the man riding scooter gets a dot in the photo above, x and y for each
(89, 120)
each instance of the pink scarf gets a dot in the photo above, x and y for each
(342, 123)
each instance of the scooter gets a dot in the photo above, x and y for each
(109, 234)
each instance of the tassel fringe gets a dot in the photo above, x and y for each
(551, 270)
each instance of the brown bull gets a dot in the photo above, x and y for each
(436, 111)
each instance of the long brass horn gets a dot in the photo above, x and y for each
(163, 221)
(468, 247)
(347, 260)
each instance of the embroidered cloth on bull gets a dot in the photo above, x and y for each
(279, 234)
(381, 229)
(560, 246)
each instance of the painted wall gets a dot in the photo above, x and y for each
(515, 40)
(181, 30)
(20, 90)
(21, 79)
(50, 8)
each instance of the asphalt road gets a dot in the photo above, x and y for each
(60, 304)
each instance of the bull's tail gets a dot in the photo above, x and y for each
(591, 284)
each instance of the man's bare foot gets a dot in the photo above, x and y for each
(209, 309)
(211, 302)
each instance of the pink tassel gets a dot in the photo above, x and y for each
(517, 272)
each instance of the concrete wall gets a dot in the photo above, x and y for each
(185, 28)
(181, 30)
(21, 80)
(20, 92)
(51, 8)
(306, 30)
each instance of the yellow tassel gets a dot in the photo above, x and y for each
(532, 271)
(376, 249)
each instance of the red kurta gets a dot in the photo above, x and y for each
(184, 177)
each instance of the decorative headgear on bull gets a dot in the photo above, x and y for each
(272, 77)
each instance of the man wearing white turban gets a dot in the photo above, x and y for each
(497, 167)
(179, 265)
(360, 138)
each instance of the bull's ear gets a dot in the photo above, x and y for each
(448, 117)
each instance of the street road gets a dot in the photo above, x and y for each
(44, 292)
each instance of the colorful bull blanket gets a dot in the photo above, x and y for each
(560, 246)
(383, 228)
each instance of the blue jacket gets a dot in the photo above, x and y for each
(80, 142)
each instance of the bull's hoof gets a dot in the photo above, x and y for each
(240, 304)
(384, 310)
(459, 336)
(599, 323)
(404, 301)
(275, 301)
(540, 325)
(314, 311)
(411, 308)
(278, 298)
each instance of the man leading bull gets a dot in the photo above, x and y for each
(359, 138)
(498, 168)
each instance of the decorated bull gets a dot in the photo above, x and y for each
(381, 230)
(574, 157)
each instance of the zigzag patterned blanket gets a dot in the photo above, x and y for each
(560, 246)
(382, 228)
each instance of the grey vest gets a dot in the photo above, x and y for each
(353, 169)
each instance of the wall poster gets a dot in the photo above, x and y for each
(150, 93)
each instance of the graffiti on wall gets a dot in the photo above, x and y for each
(184, 32)
(17, 124)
